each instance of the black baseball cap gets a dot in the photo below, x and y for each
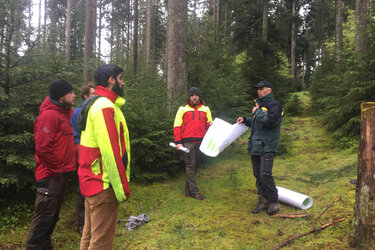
(262, 84)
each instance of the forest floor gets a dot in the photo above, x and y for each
(313, 166)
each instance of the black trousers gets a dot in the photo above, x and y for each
(262, 170)
(49, 198)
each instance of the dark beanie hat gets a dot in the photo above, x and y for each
(59, 88)
(194, 90)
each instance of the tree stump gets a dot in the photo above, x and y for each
(363, 226)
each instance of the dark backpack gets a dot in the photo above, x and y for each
(86, 105)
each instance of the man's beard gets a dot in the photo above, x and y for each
(119, 91)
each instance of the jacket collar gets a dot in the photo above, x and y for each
(49, 103)
(265, 99)
(199, 104)
(112, 96)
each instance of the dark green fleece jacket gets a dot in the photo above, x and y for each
(265, 126)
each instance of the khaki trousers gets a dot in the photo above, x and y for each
(101, 212)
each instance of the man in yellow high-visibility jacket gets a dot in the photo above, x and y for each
(104, 158)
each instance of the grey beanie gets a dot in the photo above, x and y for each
(59, 88)
(194, 90)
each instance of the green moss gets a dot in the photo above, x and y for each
(313, 167)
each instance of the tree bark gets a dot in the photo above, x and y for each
(363, 228)
(52, 38)
(90, 34)
(148, 33)
(135, 38)
(100, 30)
(39, 16)
(361, 21)
(176, 51)
(265, 21)
(338, 29)
(45, 21)
(67, 31)
(293, 41)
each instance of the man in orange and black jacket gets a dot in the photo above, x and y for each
(190, 126)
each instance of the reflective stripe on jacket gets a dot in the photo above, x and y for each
(104, 155)
(191, 123)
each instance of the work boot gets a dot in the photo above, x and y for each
(261, 205)
(273, 208)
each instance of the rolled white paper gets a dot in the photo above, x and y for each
(293, 198)
(220, 135)
(173, 145)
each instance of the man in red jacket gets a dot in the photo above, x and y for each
(54, 154)
(190, 126)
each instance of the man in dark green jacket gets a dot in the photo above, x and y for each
(263, 143)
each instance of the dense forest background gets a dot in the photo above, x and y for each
(223, 47)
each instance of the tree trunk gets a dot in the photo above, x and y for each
(128, 33)
(118, 41)
(90, 34)
(265, 21)
(293, 41)
(67, 31)
(361, 21)
(39, 16)
(148, 32)
(176, 42)
(338, 29)
(363, 228)
(29, 23)
(52, 38)
(100, 30)
(215, 15)
(45, 21)
(135, 38)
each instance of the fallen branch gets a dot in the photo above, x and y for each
(292, 215)
(328, 208)
(291, 239)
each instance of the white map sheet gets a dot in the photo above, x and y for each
(220, 135)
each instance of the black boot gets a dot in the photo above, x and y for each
(273, 208)
(261, 205)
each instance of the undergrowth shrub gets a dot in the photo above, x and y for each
(14, 214)
(293, 106)
(285, 144)
(150, 127)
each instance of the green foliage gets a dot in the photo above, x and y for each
(297, 104)
(216, 72)
(346, 143)
(264, 62)
(339, 89)
(13, 215)
(151, 129)
(313, 167)
(16, 147)
(293, 106)
(285, 144)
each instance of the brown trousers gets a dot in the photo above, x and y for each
(101, 212)
(192, 160)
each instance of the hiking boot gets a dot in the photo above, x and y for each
(273, 208)
(261, 205)
(198, 196)
(188, 195)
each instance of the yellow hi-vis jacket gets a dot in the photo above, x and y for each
(104, 154)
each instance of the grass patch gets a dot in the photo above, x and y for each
(313, 166)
